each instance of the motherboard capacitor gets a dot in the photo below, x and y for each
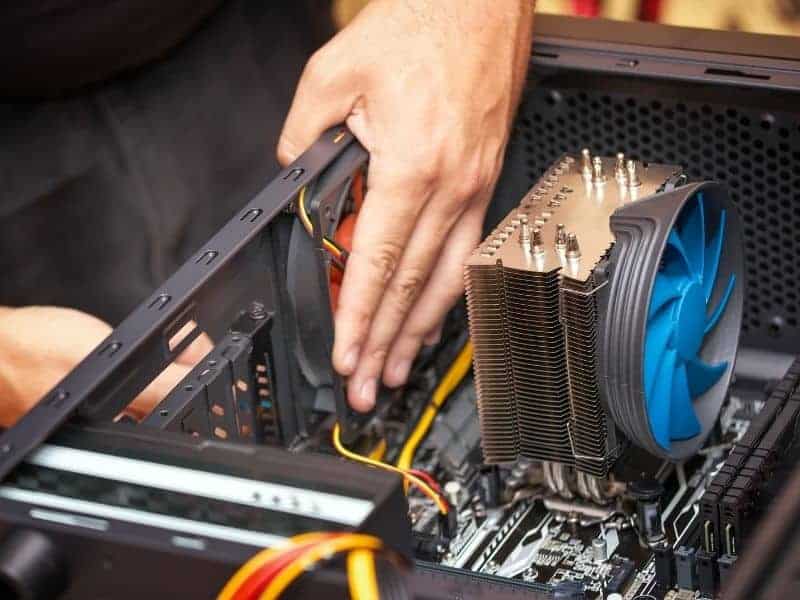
(599, 549)
(455, 493)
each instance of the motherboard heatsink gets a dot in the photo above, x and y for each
(609, 301)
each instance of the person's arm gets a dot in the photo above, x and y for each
(430, 88)
(39, 345)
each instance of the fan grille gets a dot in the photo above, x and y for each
(752, 146)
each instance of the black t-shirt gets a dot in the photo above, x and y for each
(162, 124)
(51, 46)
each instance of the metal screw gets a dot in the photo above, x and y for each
(573, 249)
(633, 174)
(257, 311)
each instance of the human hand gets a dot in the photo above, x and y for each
(39, 345)
(429, 87)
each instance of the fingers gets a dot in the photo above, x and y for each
(443, 289)
(324, 98)
(384, 226)
(170, 377)
(196, 351)
(157, 390)
(398, 298)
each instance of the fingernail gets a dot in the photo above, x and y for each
(367, 391)
(351, 360)
(400, 371)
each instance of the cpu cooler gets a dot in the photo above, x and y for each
(606, 307)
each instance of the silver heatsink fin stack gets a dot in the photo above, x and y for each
(533, 312)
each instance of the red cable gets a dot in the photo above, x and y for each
(255, 584)
(650, 10)
(426, 477)
(586, 8)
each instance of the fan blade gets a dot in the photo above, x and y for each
(683, 423)
(723, 302)
(658, 402)
(665, 289)
(713, 256)
(674, 242)
(702, 376)
(659, 330)
(693, 234)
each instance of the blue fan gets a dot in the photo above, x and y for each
(679, 319)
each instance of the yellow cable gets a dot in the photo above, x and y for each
(455, 374)
(313, 555)
(309, 226)
(361, 578)
(301, 212)
(259, 559)
(379, 451)
(426, 489)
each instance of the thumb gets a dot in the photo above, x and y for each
(324, 98)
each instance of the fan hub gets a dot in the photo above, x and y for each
(690, 316)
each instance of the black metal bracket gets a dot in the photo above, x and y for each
(156, 332)
(227, 395)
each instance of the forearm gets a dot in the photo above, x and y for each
(10, 401)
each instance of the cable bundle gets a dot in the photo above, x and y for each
(454, 376)
(422, 480)
(267, 574)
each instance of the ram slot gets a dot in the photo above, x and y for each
(492, 365)
(536, 342)
(588, 426)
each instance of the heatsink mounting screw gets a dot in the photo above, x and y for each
(573, 249)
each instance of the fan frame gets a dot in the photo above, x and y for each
(640, 230)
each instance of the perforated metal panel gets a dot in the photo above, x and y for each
(747, 139)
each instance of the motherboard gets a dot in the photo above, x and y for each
(536, 524)
(556, 483)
